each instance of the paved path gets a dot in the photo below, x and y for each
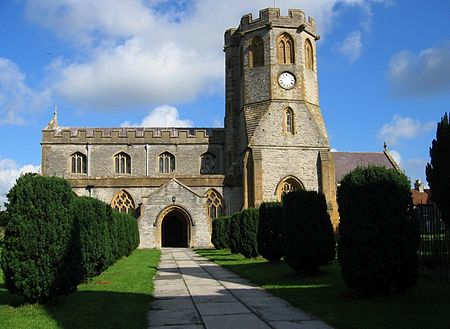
(191, 292)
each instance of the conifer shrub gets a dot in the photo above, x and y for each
(215, 234)
(36, 256)
(235, 233)
(248, 245)
(307, 231)
(124, 233)
(225, 232)
(220, 232)
(269, 238)
(93, 220)
(378, 238)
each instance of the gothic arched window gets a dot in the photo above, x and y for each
(287, 185)
(289, 121)
(78, 163)
(208, 163)
(309, 55)
(166, 163)
(256, 53)
(285, 45)
(214, 202)
(123, 202)
(122, 163)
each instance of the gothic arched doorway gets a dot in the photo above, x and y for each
(175, 229)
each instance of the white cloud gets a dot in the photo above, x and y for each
(9, 172)
(351, 47)
(396, 155)
(423, 74)
(161, 116)
(153, 51)
(17, 100)
(403, 128)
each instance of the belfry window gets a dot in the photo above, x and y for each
(309, 57)
(123, 202)
(208, 163)
(78, 163)
(289, 121)
(166, 163)
(256, 53)
(285, 47)
(122, 163)
(214, 202)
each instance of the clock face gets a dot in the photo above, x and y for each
(286, 80)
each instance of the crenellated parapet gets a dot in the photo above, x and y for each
(138, 135)
(272, 18)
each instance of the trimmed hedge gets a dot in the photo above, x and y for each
(36, 246)
(378, 238)
(234, 236)
(307, 231)
(220, 232)
(270, 242)
(54, 240)
(248, 231)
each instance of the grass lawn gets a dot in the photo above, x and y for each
(326, 296)
(118, 298)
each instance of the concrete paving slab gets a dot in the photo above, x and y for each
(184, 326)
(170, 317)
(300, 325)
(222, 308)
(247, 321)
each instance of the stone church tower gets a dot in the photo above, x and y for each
(275, 136)
(176, 180)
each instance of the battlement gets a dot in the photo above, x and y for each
(271, 17)
(134, 135)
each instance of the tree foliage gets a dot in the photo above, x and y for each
(270, 242)
(220, 232)
(378, 238)
(248, 220)
(438, 169)
(307, 231)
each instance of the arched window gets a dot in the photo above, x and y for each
(78, 163)
(208, 163)
(166, 163)
(122, 163)
(309, 55)
(256, 53)
(123, 202)
(287, 185)
(289, 121)
(285, 47)
(214, 202)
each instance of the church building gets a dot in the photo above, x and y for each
(176, 180)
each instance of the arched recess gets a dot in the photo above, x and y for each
(256, 53)
(309, 55)
(122, 163)
(208, 163)
(288, 123)
(174, 225)
(123, 202)
(215, 204)
(287, 185)
(78, 163)
(285, 47)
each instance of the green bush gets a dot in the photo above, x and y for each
(36, 258)
(307, 231)
(220, 232)
(234, 236)
(270, 242)
(378, 238)
(124, 234)
(248, 245)
(93, 220)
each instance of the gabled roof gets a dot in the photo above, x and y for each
(347, 161)
(421, 197)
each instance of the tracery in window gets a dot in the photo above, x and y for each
(78, 163)
(289, 121)
(208, 163)
(287, 185)
(122, 163)
(285, 47)
(256, 53)
(309, 56)
(166, 163)
(123, 202)
(214, 202)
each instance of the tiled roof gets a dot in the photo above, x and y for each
(347, 161)
(421, 197)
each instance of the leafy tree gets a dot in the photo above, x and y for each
(3, 218)
(378, 238)
(438, 170)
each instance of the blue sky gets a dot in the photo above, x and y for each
(383, 65)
